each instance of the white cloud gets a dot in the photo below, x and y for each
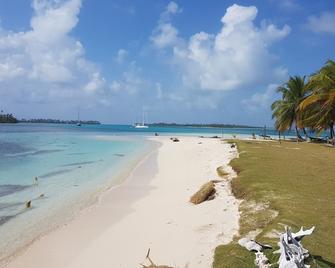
(322, 24)
(166, 34)
(287, 4)
(261, 100)
(131, 81)
(172, 8)
(96, 83)
(236, 57)
(46, 58)
(121, 55)
(115, 86)
(8, 70)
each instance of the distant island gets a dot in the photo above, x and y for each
(7, 118)
(10, 118)
(58, 121)
(201, 125)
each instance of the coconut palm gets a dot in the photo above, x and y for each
(319, 106)
(286, 111)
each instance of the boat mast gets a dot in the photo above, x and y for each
(142, 117)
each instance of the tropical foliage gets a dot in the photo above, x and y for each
(319, 106)
(307, 104)
(286, 111)
(7, 118)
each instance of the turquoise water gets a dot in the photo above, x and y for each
(130, 130)
(59, 170)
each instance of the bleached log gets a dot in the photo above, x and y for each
(252, 245)
(292, 253)
(260, 259)
(301, 234)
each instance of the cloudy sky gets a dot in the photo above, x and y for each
(182, 61)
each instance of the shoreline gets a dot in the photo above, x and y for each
(93, 232)
(84, 200)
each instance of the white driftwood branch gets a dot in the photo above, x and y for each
(292, 253)
(260, 259)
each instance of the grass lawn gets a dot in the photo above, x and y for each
(284, 184)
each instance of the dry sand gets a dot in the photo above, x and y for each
(151, 209)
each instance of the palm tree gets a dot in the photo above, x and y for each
(286, 111)
(319, 106)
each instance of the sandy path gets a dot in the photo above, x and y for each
(150, 210)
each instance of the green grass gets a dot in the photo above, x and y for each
(288, 184)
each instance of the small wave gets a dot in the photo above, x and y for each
(55, 173)
(4, 219)
(28, 153)
(8, 148)
(79, 163)
(8, 189)
(5, 206)
(46, 151)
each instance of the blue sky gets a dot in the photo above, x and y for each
(182, 61)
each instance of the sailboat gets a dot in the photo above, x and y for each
(141, 125)
(78, 121)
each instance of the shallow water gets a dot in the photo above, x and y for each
(59, 172)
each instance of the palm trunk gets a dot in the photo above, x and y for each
(305, 132)
(298, 134)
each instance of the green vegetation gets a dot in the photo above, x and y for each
(206, 192)
(58, 121)
(281, 184)
(7, 118)
(307, 105)
(233, 255)
(320, 104)
(286, 111)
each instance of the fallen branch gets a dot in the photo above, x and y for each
(292, 253)
(152, 264)
(206, 192)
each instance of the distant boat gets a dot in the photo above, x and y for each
(141, 125)
(78, 121)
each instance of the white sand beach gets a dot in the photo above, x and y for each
(151, 209)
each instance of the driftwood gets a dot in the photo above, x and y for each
(206, 192)
(152, 264)
(292, 253)
(260, 259)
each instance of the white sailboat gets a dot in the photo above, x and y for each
(78, 121)
(141, 125)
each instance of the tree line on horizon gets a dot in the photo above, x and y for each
(7, 118)
(307, 103)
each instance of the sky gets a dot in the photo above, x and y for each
(180, 61)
